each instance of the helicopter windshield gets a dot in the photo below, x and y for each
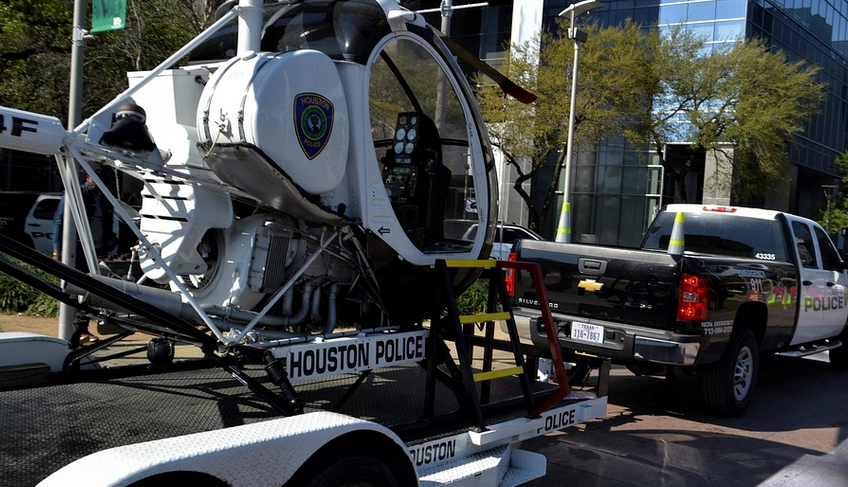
(420, 134)
(343, 30)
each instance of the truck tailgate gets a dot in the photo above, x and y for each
(614, 284)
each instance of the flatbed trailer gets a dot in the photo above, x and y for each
(444, 412)
(49, 427)
(292, 229)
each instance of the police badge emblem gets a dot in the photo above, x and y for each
(313, 121)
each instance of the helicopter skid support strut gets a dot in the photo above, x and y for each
(172, 327)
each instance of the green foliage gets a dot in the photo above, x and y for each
(655, 88)
(611, 86)
(742, 96)
(14, 296)
(474, 299)
(838, 218)
(17, 297)
(43, 305)
(35, 50)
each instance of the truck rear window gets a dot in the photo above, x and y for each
(720, 234)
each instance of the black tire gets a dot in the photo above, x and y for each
(839, 356)
(728, 385)
(180, 478)
(351, 470)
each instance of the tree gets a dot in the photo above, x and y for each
(745, 97)
(613, 82)
(838, 217)
(654, 88)
(35, 49)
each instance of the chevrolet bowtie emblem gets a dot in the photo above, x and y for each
(590, 285)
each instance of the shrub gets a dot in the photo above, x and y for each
(17, 297)
(474, 299)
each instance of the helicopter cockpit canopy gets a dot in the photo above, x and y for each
(343, 30)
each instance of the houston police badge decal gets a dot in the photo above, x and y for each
(313, 120)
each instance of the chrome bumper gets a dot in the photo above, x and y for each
(664, 351)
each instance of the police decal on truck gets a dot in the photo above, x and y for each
(824, 303)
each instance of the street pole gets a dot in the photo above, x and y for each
(829, 192)
(564, 227)
(66, 312)
(575, 10)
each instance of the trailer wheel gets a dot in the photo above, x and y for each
(180, 478)
(351, 471)
(727, 385)
(342, 463)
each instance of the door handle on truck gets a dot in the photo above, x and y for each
(830, 284)
(592, 267)
(807, 283)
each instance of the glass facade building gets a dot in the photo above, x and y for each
(614, 186)
(813, 31)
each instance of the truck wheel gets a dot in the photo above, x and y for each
(839, 356)
(727, 385)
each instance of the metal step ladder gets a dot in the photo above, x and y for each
(461, 330)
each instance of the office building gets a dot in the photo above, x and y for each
(613, 185)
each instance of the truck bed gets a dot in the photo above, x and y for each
(48, 427)
(606, 283)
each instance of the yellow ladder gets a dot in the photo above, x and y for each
(461, 330)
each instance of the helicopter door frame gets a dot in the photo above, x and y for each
(380, 216)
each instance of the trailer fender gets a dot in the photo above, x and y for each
(259, 454)
(22, 348)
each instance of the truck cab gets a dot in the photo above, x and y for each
(821, 307)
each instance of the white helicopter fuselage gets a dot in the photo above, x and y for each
(316, 139)
(314, 173)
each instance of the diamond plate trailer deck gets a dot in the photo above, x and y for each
(436, 419)
(51, 426)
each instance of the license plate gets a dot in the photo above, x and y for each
(586, 332)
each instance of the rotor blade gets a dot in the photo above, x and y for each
(505, 83)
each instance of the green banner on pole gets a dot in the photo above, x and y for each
(108, 15)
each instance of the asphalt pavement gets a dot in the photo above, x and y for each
(658, 433)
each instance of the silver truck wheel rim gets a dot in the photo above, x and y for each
(742, 374)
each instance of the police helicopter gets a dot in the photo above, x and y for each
(298, 172)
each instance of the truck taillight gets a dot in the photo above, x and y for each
(510, 275)
(693, 303)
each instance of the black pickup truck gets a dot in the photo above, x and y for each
(727, 284)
